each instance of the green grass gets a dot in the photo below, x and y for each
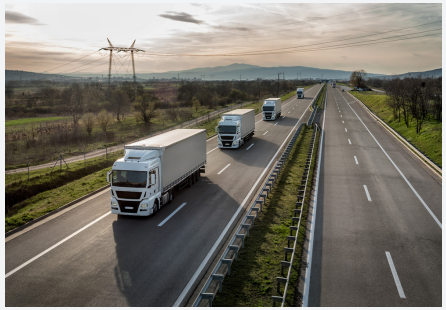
(320, 101)
(428, 141)
(48, 201)
(20, 193)
(26, 121)
(253, 276)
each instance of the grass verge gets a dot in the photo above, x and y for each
(428, 141)
(26, 121)
(253, 276)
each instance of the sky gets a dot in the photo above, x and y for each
(52, 37)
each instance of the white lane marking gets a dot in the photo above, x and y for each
(224, 168)
(250, 146)
(172, 214)
(212, 150)
(342, 122)
(367, 193)
(283, 117)
(313, 221)
(276, 123)
(289, 112)
(293, 108)
(259, 121)
(398, 169)
(349, 142)
(223, 233)
(265, 132)
(341, 115)
(55, 246)
(356, 160)
(345, 129)
(395, 275)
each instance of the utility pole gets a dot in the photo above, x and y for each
(278, 84)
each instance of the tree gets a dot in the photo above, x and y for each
(74, 101)
(88, 120)
(357, 78)
(119, 102)
(103, 119)
(145, 108)
(9, 90)
(195, 104)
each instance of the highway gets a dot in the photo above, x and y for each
(378, 233)
(85, 256)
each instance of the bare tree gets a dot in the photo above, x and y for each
(145, 108)
(88, 120)
(357, 78)
(195, 104)
(119, 102)
(103, 119)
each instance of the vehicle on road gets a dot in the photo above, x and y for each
(235, 128)
(272, 109)
(144, 180)
(334, 85)
(300, 93)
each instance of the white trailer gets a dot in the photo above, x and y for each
(144, 180)
(235, 128)
(300, 93)
(272, 109)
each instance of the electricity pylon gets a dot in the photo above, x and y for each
(130, 49)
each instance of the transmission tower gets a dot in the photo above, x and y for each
(112, 49)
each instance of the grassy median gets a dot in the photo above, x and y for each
(428, 141)
(253, 276)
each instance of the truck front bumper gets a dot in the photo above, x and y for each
(143, 208)
(229, 144)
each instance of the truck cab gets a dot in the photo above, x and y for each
(272, 109)
(300, 93)
(228, 130)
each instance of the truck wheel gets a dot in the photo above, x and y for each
(155, 207)
(193, 176)
(171, 196)
(189, 182)
(198, 175)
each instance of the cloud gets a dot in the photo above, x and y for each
(181, 17)
(19, 18)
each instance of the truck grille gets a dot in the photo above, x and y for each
(228, 138)
(124, 203)
(128, 195)
(268, 115)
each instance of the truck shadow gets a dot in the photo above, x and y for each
(155, 263)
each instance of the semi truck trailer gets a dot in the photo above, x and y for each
(150, 172)
(300, 93)
(235, 128)
(272, 108)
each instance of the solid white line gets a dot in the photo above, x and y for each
(259, 121)
(223, 233)
(172, 214)
(313, 221)
(265, 132)
(367, 193)
(212, 150)
(224, 168)
(276, 123)
(55, 246)
(398, 169)
(356, 160)
(283, 117)
(345, 129)
(349, 142)
(250, 146)
(395, 275)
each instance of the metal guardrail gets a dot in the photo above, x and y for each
(296, 218)
(313, 113)
(404, 140)
(214, 284)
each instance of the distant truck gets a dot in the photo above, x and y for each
(300, 93)
(144, 180)
(235, 128)
(334, 85)
(272, 108)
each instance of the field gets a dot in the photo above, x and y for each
(26, 121)
(428, 141)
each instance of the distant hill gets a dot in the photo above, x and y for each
(431, 73)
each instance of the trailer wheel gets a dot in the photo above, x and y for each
(198, 174)
(171, 195)
(194, 178)
(189, 182)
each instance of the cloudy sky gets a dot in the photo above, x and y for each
(42, 37)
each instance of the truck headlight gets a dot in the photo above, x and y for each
(114, 203)
(144, 205)
(234, 143)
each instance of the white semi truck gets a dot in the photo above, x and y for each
(272, 108)
(144, 180)
(235, 128)
(300, 93)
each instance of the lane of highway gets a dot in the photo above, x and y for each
(129, 261)
(375, 242)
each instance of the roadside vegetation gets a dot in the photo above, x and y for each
(253, 276)
(320, 101)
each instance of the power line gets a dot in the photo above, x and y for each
(69, 62)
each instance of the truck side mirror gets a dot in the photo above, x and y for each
(152, 179)
(108, 176)
(216, 129)
(261, 109)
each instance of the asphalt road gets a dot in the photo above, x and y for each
(132, 261)
(375, 241)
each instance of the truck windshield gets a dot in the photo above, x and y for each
(268, 108)
(128, 178)
(227, 129)
(299, 93)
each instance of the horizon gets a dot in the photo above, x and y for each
(36, 40)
